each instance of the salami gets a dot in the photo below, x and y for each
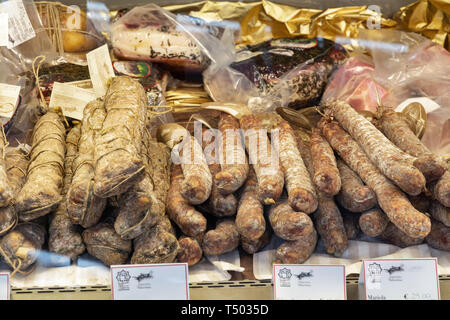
(190, 251)
(440, 213)
(253, 246)
(373, 222)
(301, 193)
(295, 252)
(439, 236)
(289, 224)
(354, 195)
(224, 238)
(269, 175)
(326, 174)
(441, 189)
(421, 202)
(233, 161)
(395, 127)
(250, 221)
(327, 218)
(186, 217)
(397, 237)
(351, 224)
(390, 160)
(390, 199)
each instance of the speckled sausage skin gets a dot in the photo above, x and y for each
(197, 183)
(373, 222)
(190, 221)
(224, 238)
(440, 189)
(190, 251)
(301, 193)
(220, 205)
(269, 175)
(354, 195)
(327, 218)
(233, 173)
(390, 160)
(394, 126)
(439, 236)
(289, 224)
(391, 199)
(440, 213)
(253, 246)
(326, 174)
(351, 224)
(397, 237)
(294, 252)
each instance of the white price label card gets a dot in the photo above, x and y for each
(9, 97)
(4, 35)
(4, 286)
(150, 282)
(309, 282)
(20, 28)
(100, 69)
(400, 279)
(70, 99)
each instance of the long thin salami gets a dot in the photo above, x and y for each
(301, 193)
(233, 161)
(397, 237)
(373, 222)
(268, 172)
(394, 126)
(390, 160)
(391, 200)
(294, 252)
(440, 189)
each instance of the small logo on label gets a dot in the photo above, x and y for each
(304, 275)
(144, 276)
(123, 277)
(285, 275)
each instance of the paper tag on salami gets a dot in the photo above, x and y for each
(100, 69)
(4, 286)
(20, 28)
(309, 282)
(9, 97)
(400, 279)
(70, 99)
(4, 36)
(150, 282)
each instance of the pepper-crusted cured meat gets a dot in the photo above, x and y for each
(391, 199)
(269, 175)
(326, 174)
(301, 193)
(118, 161)
(294, 252)
(373, 222)
(186, 217)
(354, 195)
(395, 127)
(250, 221)
(224, 238)
(83, 206)
(233, 161)
(390, 160)
(41, 192)
(327, 218)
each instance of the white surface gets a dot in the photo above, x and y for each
(383, 282)
(428, 104)
(4, 286)
(309, 282)
(100, 69)
(9, 96)
(4, 29)
(20, 28)
(150, 282)
(70, 99)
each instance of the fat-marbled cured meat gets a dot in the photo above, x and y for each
(224, 238)
(373, 222)
(390, 160)
(390, 198)
(233, 161)
(397, 237)
(185, 216)
(440, 213)
(440, 189)
(326, 174)
(250, 221)
(301, 193)
(41, 192)
(268, 173)
(117, 156)
(439, 236)
(83, 206)
(190, 251)
(294, 252)
(354, 195)
(289, 224)
(395, 127)
(327, 218)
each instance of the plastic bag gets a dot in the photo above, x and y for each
(276, 73)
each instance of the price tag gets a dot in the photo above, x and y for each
(9, 97)
(100, 69)
(400, 279)
(4, 29)
(70, 99)
(150, 282)
(20, 28)
(309, 282)
(4, 286)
